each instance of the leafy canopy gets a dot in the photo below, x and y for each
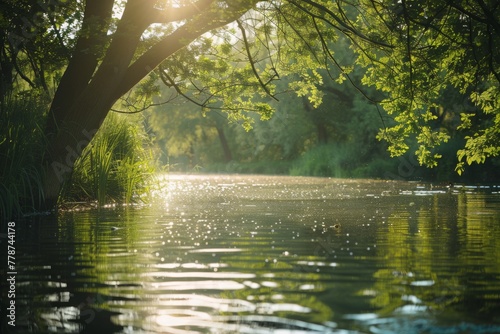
(413, 52)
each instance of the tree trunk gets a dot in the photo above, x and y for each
(228, 156)
(322, 133)
(78, 111)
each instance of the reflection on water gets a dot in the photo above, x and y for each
(257, 254)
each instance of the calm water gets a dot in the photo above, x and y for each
(260, 254)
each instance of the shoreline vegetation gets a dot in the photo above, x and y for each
(118, 166)
(379, 170)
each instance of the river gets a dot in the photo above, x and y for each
(266, 254)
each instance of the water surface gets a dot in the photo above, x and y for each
(262, 254)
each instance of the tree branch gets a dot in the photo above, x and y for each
(180, 38)
(22, 75)
(252, 63)
(406, 16)
(169, 82)
(342, 26)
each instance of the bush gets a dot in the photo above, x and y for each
(342, 161)
(255, 167)
(324, 160)
(377, 168)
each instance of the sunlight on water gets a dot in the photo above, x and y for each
(266, 254)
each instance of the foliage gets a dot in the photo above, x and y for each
(238, 69)
(432, 47)
(117, 166)
(266, 167)
(37, 38)
(334, 139)
(414, 53)
(340, 161)
(20, 142)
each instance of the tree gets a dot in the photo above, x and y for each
(91, 85)
(228, 52)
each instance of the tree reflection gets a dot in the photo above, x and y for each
(440, 253)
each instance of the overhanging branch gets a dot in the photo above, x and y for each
(180, 38)
(252, 63)
(341, 24)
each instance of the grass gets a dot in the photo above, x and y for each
(21, 142)
(117, 166)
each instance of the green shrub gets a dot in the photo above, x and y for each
(342, 161)
(377, 168)
(324, 160)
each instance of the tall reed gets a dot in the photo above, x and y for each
(21, 142)
(117, 166)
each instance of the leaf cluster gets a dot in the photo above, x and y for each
(435, 46)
